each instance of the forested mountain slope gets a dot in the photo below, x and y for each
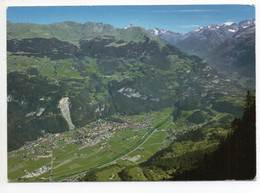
(102, 70)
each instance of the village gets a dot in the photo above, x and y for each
(83, 137)
(99, 132)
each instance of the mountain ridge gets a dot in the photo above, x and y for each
(236, 53)
(211, 42)
(70, 31)
(128, 72)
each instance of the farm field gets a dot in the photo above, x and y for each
(67, 154)
(104, 145)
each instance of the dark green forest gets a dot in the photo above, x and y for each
(235, 157)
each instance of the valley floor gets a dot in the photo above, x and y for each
(68, 156)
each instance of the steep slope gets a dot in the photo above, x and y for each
(235, 157)
(125, 71)
(236, 54)
(203, 40)
(230, 47)
(167, 35)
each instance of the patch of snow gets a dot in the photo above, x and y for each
(228, 23)
(244, 27)
(163, 31)
(232, 30)
(156, 32)
(197, 30)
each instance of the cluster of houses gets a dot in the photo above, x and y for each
(83, 137)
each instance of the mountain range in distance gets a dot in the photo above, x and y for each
(228, 47)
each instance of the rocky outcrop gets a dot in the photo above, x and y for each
(65, 111)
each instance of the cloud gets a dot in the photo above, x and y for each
(162, 11)
(196, 10)
(134, 10)
(173, 11)
(147, 11)
(189, 26)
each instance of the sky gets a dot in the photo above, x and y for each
(177, 18)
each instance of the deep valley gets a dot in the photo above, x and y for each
(91, 102)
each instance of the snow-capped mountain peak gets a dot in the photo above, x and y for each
(168, 36)
(203, 40)
(228, 23)
(155, 32)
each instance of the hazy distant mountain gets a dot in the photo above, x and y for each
(168, 36)
(229, 47)
(236, 54)
(203, 40)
